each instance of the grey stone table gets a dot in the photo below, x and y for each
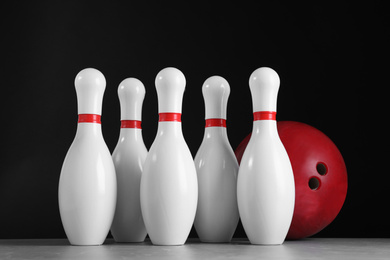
(311, 248)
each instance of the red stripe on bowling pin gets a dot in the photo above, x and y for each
(169, 117)
(131, 124)
(216, 122)
(89, 118)
(264, 115)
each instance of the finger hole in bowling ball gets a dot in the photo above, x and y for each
(314, 183)
(322, 169)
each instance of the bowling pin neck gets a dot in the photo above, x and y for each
(265, 128)
(216, 92)
(264, 122)
(170, 128)
(89, 130)
(89, 125)
(130, 134)
(169, 123)
(89, 118)
(137, 124)
(215, 133)
(170, 85)
(264, 85)
(90, 85)
(131, 129)
(131, 94)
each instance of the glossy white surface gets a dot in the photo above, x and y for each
(217, 213)
(216, 91)
(264, 85)
(129, 156)
(265, 188)
(131, 93)
(87, 186)
(169, 188)
(170, 84)
(90, 85)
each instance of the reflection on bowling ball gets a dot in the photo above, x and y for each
(320, 177)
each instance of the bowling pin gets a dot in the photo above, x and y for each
(169, 187)
(265, 188)
(129, 156)
(216, 165)
(87, 186)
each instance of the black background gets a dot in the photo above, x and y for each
(320, 51)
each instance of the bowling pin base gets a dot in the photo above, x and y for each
(167, 241)
(163, 243)
(85, 243)
(81, 244)
(266, 244)
(136, 234)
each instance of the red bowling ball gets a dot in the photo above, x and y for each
(320, 177)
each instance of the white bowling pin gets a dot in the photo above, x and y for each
(265, 188)
(169, 187)
(217, 213)
(129, 156)
(87, 186)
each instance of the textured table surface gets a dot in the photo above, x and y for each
(311, 248)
